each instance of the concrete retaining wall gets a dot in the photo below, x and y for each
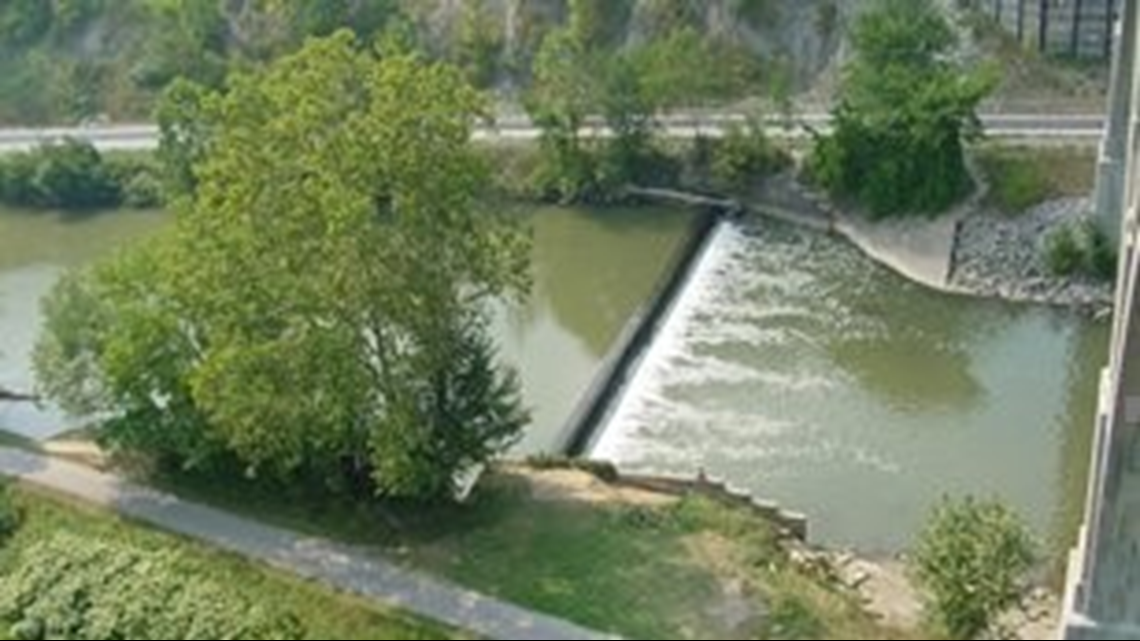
(789, 523)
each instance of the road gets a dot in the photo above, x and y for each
(342, 566)
(1027, 127)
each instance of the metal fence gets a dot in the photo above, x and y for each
(1073, 28)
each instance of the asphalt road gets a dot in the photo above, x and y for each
(1025, 127)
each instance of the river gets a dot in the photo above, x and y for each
(797, 369)
(792, 366)
(591, 270)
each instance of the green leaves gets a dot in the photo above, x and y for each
(906, 108)
(10, 513)
(70, 174)
(68, 587)
(318, 308)
(575, 79)
(972, 559)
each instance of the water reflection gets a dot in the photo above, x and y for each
(57, 239)
(1075, 426)
(594, 269)
(893, 370)
(35, 247)
(591, 271)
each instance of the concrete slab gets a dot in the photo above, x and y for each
(918, 248)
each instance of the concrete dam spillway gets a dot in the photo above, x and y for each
(795, 368)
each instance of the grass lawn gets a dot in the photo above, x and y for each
(1022, 177)
(692, 569)
(323, 613)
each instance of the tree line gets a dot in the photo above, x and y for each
(73, 175)
(67, 60)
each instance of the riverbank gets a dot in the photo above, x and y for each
(620, 557)
(973, 250)
(886, 591)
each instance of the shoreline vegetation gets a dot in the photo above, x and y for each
(373, 376)
(1001, 248)
(140, 581)
(615, 557)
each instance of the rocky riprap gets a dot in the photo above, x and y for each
(1003, 256)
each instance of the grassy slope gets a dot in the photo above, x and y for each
(1021, 177)
(692, 571)
(326, 615)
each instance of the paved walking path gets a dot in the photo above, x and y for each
(341, 566)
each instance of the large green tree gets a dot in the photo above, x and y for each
(576, 83)
(907, 105)
(320, 307)
(564, 95)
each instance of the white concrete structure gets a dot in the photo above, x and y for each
(1102, 599)
(1111, 166)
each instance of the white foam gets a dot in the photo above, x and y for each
(617, 431)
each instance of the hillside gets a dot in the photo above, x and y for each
(66, 61)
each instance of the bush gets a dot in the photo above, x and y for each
(741, 157)
(1080, 249)
(1063, 253)
(68, 175)
(139, 180)
(972, 559)
(1016, 182)
(72, 175)
(10, 516)
(69, 587)
(1101, 259)
(16, 181)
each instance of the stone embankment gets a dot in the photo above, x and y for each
(1004, 257)
(971, 250)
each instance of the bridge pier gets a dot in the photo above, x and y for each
(1109, 198)
(1102, 597)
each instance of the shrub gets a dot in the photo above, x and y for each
(1080, 249)
(68, 587)
(143, 191)
(1101, 259)
(67, 175)
(972, 559)
(9, 513)
(1016, 183)
(72, 175)
(1063, 253)
(743, 155)
(16, 174)
(791, 618)
(139, 180)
